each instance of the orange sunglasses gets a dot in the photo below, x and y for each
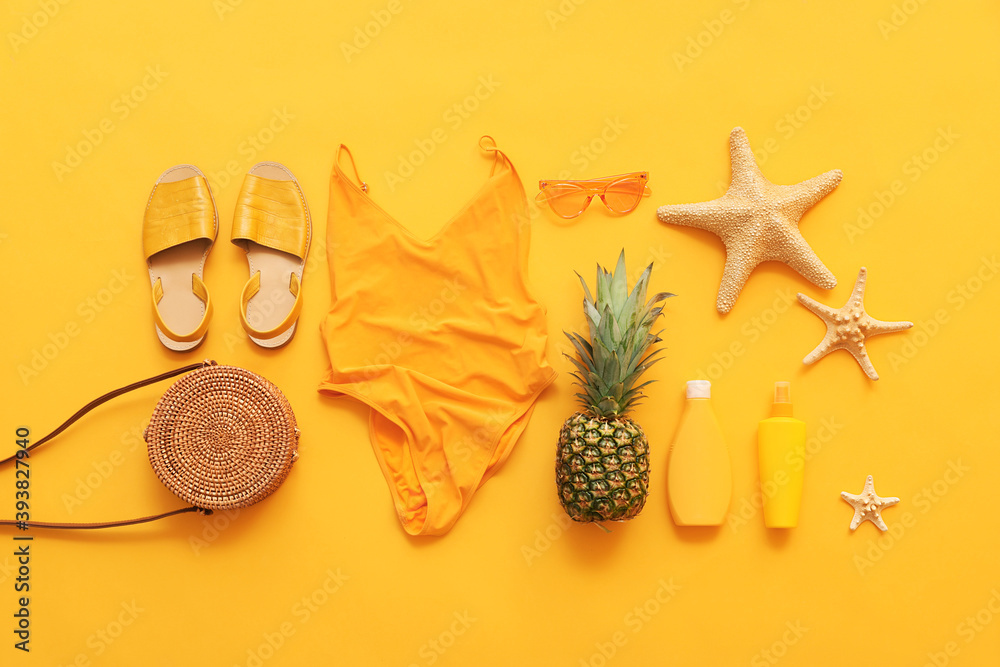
(621, 193)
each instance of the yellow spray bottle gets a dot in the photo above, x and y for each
(781, 444)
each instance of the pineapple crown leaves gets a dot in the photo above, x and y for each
(618, 351)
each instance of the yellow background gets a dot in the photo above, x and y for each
(868, 85)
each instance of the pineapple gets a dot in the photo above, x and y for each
(602, 465)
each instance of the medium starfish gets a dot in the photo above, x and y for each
(849, 327)
(757, 221)
(868, 506)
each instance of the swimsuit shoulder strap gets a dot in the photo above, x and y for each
(340, 152)
(500, 159)
(517, 201)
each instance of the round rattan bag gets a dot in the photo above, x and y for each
(222, 437)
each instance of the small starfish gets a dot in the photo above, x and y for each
(868, 506)
(849, 327)
(757, 221)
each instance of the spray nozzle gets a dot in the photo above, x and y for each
(782, 406)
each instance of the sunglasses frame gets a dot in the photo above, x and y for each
(595, 186)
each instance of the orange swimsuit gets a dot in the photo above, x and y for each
(441, 338)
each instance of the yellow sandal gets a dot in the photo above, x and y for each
(178, 229)
(272, 225)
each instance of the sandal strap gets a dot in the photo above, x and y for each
(252, 288)
(178, 212)
(273, 214)
(200, 291)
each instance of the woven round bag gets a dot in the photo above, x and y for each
(222, 437)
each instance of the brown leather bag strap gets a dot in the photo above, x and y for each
(24, 525)
(107, 397)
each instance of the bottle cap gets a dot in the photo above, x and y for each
(699, 389)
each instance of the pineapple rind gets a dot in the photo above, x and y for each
(602, 470)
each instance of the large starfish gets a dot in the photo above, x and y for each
(757, 221)
(868, 505)
(849, 327)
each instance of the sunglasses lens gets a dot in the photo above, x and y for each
(567, 200)
(624, 195)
